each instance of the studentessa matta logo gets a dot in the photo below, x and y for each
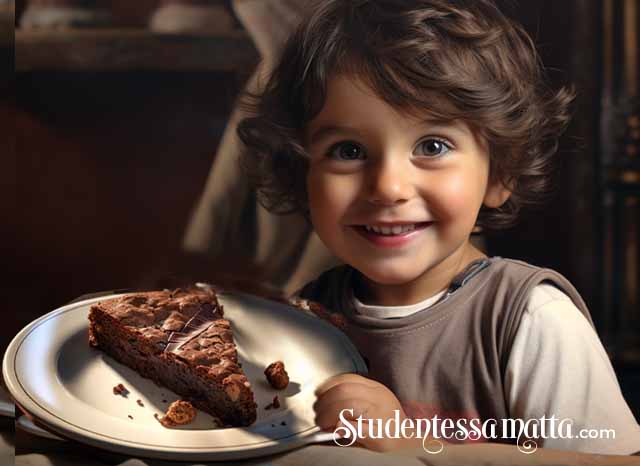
(435, 432)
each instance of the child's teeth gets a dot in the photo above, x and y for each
(394, 230)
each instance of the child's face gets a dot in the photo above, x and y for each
(422, 182)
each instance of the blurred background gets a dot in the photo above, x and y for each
(112, 119)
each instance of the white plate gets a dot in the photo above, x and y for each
(53, 373)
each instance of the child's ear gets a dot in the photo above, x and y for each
(496, 194)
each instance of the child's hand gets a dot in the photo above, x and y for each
(366, 397)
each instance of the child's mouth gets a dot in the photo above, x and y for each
(391, 235)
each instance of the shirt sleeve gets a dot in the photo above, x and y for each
(558, 367)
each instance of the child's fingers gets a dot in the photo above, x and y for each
(343, 378)
(344, 396)
(328, 416)
(342, 392)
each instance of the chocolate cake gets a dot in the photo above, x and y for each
(180, 340)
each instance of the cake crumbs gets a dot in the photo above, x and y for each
(277, 375)
(130, 416)
(275, 404)
(178, 413)
(120, 390)
(140, 403)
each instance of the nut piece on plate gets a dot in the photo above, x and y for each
(276, 375)
(178, 413)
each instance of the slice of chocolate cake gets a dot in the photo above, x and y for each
(180, 340)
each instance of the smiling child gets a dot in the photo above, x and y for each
(398, 128)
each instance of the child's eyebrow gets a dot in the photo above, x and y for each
(441, 123)
(433, 121)
(329, 130)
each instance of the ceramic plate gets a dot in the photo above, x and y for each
(53, 373)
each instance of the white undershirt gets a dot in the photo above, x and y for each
(559, 367)
(390, 312)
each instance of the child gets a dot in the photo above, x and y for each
(398, 128)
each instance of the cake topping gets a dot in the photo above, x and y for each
(175, 322)
(155, 335)
(202, 321)
(188, 323)
(234, 385)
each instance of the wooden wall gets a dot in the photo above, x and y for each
(125, 12)
(563, 234)
(106, 168)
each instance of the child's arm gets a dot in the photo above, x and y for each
(558, 366)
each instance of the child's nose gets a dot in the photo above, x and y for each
(389, 182)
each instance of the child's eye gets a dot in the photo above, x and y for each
(346, 151)
(432, 147)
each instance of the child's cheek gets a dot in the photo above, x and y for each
(329, 194)
(457, 196)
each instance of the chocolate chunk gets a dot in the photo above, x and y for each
(277, 375)
(206, 307)
(120, 390)
(275, 403)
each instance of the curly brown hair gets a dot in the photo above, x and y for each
(481, 65)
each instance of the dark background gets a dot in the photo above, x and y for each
(100, 172)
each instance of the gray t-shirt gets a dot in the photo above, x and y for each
(449, 359)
